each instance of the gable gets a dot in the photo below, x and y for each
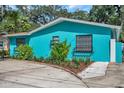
(66, 26)
(70, 22)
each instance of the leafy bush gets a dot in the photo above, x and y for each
(4, 52)
(76, 61)
(35, 58)
(87, 61)
(68, 60)
(48, 59)
(60, 51)
(41, 59)
(1, 53)
(121, 37)
(24, 52)
(81, 59)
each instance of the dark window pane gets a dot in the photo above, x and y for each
(20, 41)
(84, 43)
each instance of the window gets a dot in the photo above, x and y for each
(55, 39)
(84, 43)
(20, 41)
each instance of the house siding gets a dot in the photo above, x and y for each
(118, 52)
(13, 43)
(40, 41)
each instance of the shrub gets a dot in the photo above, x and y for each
(60, 51)
(87, 61)
(35, 58)
(38, 59)
(76, 61)
(1, 53)
(41, 59)
(4, 53)
(24, 52)
(67, 60)
(81, 60)
(48, 59)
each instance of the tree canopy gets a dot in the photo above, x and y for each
(24, 18)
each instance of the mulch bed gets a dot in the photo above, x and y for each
(67, 67)
(77, 70)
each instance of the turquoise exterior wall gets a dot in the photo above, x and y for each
(13, 43)
(40, 41)
(118, 52)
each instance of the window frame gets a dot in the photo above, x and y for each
(81, 51)
(22, 39)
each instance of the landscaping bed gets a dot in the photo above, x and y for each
(70, 66)
(57, 57)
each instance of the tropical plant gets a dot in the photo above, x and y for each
(24, 52)
(60, 51)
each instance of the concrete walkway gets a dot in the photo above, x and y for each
(15, 73)
(94, 70)
(114, 78)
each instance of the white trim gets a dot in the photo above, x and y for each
(59, 20)
(90, 23)
(112, 50)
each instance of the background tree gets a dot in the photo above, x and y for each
(22, 18)
(81, 15)
(122, 18)
(108, 14)
(121, 38)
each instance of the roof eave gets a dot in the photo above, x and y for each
(14, 35)
(91, 23)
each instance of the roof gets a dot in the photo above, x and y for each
(59, 20)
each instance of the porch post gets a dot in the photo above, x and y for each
(112, 50)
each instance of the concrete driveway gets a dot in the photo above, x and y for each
(15, 73)
(114, 78)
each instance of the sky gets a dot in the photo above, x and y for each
(72, 8)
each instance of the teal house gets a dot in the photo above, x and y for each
(88, 39)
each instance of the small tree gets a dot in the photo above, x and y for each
(24, 52)
(60, 51)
